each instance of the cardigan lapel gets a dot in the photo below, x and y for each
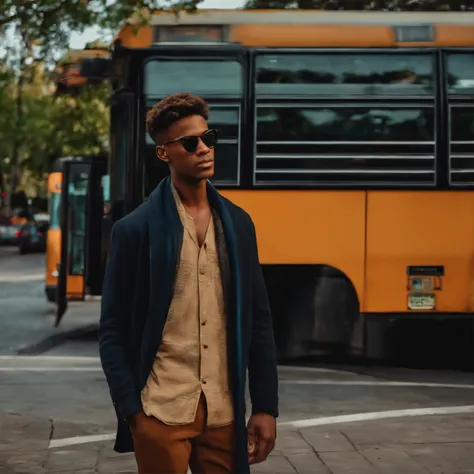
(236, 301)
(166, 237)
(236, 324)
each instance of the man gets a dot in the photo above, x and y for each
(184, 314)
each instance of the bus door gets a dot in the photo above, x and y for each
(82, 205)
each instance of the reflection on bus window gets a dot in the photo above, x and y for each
(345, 124)
(460, 70)
(226, 164)
(206, 78)
(462, 124)
(77, 229)
(345, 74)
(106, 187)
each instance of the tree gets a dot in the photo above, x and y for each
(52, 126)
(37, 31)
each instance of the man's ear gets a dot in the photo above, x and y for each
(161, 154)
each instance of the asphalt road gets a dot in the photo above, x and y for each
(25, 314)
(348, 411)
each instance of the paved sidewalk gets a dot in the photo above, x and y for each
(432, 444)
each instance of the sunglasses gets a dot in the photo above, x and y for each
(190, 143)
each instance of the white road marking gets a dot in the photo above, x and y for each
(375, 383)
(21, 278)
(378, 415)
(47, 363)
(80, 364)
(329, 420)
(61, 443)
(313, 369)
(48, 358)
(50, 369)
(93, 298)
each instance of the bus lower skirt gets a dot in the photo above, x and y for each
(430, 341)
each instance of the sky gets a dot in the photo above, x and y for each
(78, 41)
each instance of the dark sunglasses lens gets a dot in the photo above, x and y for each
(190, 144)
(210, 138)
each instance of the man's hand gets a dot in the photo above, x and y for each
(261, 431)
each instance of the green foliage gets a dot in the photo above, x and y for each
(49, 126)
(65, 126)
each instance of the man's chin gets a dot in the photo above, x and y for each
(205, 174)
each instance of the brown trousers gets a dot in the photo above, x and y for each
(166, 449)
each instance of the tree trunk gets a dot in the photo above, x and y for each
(15, 171)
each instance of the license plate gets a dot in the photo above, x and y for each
(421, 302)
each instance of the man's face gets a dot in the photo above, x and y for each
(191, 162)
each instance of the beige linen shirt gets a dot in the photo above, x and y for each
(192, 357)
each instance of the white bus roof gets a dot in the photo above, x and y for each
(308, 17)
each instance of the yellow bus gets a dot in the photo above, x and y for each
(347, 136)
(77, 228)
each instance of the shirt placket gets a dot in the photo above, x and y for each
(203, 284)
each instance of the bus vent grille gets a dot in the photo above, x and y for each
(349, 169)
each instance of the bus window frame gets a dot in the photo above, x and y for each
(425, 100)
(454, 100)
(189, 51)
(126, 98)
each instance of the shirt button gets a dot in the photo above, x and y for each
(203, 323)
(205, 346)
(202, 271)
(204, 382)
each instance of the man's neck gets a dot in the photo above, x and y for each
(192, 195)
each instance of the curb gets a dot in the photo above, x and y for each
(48, 343)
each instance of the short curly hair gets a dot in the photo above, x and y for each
(173, 108)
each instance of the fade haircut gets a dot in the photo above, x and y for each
(171, 109)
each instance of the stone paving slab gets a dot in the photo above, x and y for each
(428, 445)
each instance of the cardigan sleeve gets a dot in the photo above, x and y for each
(262, 368)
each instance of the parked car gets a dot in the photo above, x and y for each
(32, 236)
(9, 234)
